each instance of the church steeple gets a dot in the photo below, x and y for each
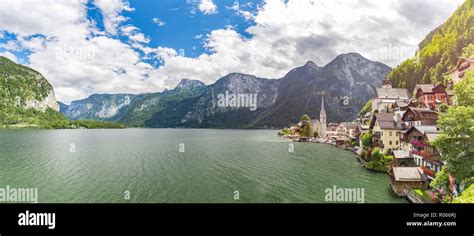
(322, 118)
(323, 111)
(386, 83)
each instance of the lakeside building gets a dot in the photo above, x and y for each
(318, 125)
(350, 128)
(331, 132)
(431, 96)
(360, 130)
(399, 107)
(419, 116)
(402, 158)
(403, 179)
(386, 132)
(457, 73)
(429, 158)
(386, 96)
(417, 141)
(415, 135)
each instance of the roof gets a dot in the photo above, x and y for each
(426, 128)
(384, 116)
(401, 154)
(422, 129)
(432, 135)
(386, 121)
(363, 127)
(401, 104)
(390, 125)
(408, 174)
(425, 88)
(421, 109)
(395, 93)
(418, 111)
(429, 88)
(352, 125)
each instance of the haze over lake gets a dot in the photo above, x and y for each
(179, 165)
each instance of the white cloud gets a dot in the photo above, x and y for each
(286, 34)
(70, 53)
(207, 7)
(9, 55)
(134, 34)
(111, 13)
(159, 22)
(236, 6)
(78, 59)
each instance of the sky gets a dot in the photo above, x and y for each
(84, 47)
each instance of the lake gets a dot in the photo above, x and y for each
(179, 166)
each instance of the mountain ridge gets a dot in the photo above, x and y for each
(281, 101)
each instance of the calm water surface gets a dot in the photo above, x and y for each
(148, 163)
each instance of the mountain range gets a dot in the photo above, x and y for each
(348, 82)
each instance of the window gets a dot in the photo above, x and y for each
(396, 143)
(396, 134)
(390, 133)
(390, 142)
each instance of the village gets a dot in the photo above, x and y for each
(394, 135)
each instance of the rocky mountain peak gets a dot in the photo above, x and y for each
(311, 64)
(189, 83)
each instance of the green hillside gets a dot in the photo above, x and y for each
(20, 87)
(439, 51)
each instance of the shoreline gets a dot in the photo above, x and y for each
(362, 163)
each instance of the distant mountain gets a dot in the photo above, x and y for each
(63, 107)
(439, 51)
(203, 111)
(105, 107)
(144, 106)
(130, 109)
(348, 82)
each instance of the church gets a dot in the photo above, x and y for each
(320, 125)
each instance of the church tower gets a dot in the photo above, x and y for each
(386, 83)
(322, 118)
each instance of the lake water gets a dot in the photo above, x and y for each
(179, 165)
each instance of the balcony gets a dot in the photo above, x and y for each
(417, 143)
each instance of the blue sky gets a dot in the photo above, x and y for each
(136, 46)
(181, 27)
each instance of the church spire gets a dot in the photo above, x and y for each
(322, 118)
(323, 111)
